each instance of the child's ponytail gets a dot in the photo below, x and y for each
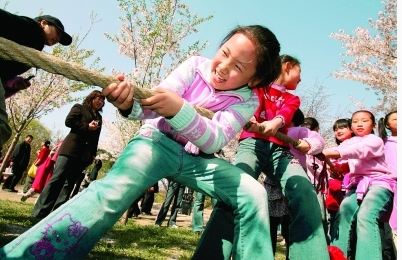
(382, 125)
(382, 132)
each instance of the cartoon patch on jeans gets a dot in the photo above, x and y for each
(60, 236)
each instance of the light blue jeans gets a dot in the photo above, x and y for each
(197, 220)
(72, 230)
(306, 237)
(361, 222)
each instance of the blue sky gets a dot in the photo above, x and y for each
(302, 27)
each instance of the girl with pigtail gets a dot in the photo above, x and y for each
(370, 190)
(388, 228)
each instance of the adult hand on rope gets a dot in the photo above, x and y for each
(120, 95)
(167, 103)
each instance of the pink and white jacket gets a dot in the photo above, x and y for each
(233, 109)
(367, 163)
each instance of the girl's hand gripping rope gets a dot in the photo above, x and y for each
(120, 95)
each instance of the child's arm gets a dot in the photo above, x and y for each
(370, 146)
(310, 142)
(210, 135)
(283, 117)
(266, 128)
(315, 140)
(331, 154)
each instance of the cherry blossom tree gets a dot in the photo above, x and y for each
(48, 91)
(116, 134)
(317, 103)
(372, 58)
(152, 35)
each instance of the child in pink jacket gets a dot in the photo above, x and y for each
(388, 224)
(365, 155)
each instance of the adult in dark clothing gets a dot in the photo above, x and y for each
(94, 172)
(147, 200)
(19, 163)
(93, 175)
(77, 185)
(33, 33)
(85, 179)
(77, 151)
(40, 159)
(175, 191)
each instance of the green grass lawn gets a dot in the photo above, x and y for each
(129, 241)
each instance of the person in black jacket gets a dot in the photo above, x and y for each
(147, 200)
(174, 194)
(34, 33)
(76, 153)
(19, 163)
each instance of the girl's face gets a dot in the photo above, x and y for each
(290, 76)
(343, 133)
(362, 124)
(234, 65)
(392, 124)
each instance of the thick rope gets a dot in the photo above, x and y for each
(10, 50)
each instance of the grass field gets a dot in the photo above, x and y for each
(131, 241)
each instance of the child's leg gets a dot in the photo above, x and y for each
(273, 224)
(375, 203)
(71, 231)
(214, 245)
(306, 237)
(342, 230)
(285, 232)
(249, 158)
(387, 242)
(74, 228)
(324, 215)
(245, 197)
(306, 233)
(331, 214)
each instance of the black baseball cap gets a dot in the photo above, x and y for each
(65, 37)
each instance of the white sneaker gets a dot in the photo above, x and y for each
(174, 226)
